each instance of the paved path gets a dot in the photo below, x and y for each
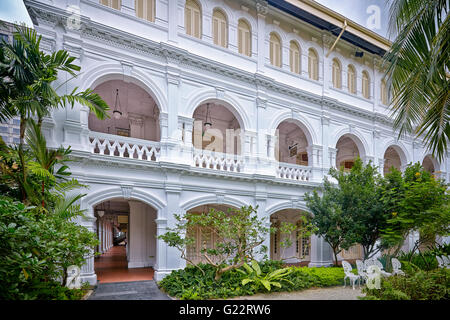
(134, 290)
(333, 293)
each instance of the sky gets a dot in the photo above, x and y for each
(371, 14)
(14, 11)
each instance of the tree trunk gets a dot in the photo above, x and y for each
(335, 257)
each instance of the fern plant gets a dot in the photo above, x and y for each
(268, 280)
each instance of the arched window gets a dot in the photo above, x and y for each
(351, 79)
(115, 4)
(365, 85)
(313, 65)
(275, 50)
(193, 19)
(384, 93)
(294, 57)
(220, 30)
(145, 9)
(244, 38)
(337, 74)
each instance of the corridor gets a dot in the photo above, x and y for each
(112, 266)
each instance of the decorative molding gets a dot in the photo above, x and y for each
(126, 191)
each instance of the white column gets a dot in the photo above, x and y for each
(321, 252)
(172, 17)
(261, 9)
(87, 269)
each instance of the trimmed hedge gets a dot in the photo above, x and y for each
(191, 284)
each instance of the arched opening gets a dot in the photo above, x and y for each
(429, 164)
(275, 49)
(133, 112)
(347, 152)
(220, 28)
(292, 146)
(294, 57)
(244, 38)
(193, 19)
(299, 251)
(336, 74)
(313, 64)
(204, 237)
(217, 128)
(127, 234)
(392, 159)
(351, 79)
(365, 85)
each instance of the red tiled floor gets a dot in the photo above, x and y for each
(112, 266)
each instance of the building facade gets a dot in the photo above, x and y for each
(216, 104)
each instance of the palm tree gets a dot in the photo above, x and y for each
(418, 70)
(27, 77)
(27, 81)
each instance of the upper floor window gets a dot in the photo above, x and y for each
(294, 57)
(219, 26)
(384, 93)
(145, 9)
(275, 50)
(351, 79)
(365, 85)
(313, 65)
(337, 74)
(115, 4)
(193, 19)
(244, 38)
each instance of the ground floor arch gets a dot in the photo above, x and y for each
(204, 237)
(300, 249)
(126, 230)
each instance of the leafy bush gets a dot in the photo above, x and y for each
(36, 249)
(423, 260)
(259, 279)
(190, 283)
(421, 285)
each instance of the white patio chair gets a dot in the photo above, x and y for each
(446, 261)
(376, 262)
(396, 267)
(361, 271)
(380, 265)
(349, 274)
(441, 263)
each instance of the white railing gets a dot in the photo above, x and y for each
(218, 160)
(123, 147)
(293, 172)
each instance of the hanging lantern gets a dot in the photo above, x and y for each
(117, 114)
(208, 121)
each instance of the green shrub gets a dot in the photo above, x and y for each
(424, 260)
(421, 285)
(35, 250)
(190, 283)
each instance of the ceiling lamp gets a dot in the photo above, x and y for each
(117, 113)
(208, 121)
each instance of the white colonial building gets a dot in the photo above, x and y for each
(216, 104)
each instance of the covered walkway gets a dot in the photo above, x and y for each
(112, 266)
